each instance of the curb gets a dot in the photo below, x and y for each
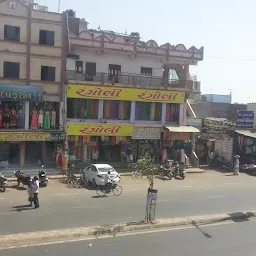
(124, 174)
(33, 238)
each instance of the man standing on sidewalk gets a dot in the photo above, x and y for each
(35, 187)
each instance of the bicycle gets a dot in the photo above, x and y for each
(117, 190)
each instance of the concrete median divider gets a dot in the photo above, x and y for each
(92, 232)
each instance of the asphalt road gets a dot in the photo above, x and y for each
(236, 239)
(64, 208)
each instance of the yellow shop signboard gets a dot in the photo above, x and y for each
(24, 136)
(129, 94)
(99, 130)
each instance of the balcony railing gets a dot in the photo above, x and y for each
(134, 80)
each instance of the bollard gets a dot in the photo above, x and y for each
(236, 164)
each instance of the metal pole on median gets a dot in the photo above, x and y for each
(236, 164)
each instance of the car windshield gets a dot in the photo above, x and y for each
(106, 169)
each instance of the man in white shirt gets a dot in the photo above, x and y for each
(107, 178)
(35, 188)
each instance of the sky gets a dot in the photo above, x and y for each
(226, 29)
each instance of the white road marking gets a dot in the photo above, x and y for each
(232, 183)
(183, 186)
(69, 194)
(211, 197)
(83, 207)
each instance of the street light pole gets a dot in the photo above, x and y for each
(59, 6)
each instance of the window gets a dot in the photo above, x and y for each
(46, 37)
(82, 108)
(146, 71)
(79, 67)
(47, 73)
(148, 111)
(11, 69)
(44, 115)
(12, 115)
(11, 33)
(114, 72)
(90, 71)
(117, 110)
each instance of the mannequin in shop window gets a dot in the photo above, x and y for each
(20, 119)
(34, 119)
(59, 159)
(53, 119)
(1, 116)
(6, 118)
(41, 119)
(13, 118)
(172, 113)
(177, 113)
(47, 120)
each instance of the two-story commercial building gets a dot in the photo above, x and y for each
(31, 82)
(122, 91)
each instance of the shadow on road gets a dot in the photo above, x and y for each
(20, 208)
(17, 187)
(162, 178)
(99, 196)
(241, 217)
(206, 235)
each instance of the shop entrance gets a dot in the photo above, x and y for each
(14, 153)
(110, 153)
(33, 155)
(10, 152)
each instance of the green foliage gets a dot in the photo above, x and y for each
(146, 167)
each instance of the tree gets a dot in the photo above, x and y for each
(146, 167)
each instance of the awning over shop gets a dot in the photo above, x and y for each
(247, 133)
(182, 129)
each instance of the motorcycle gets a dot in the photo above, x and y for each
(43, 180)
(165, 172)
(178, 172)
(22, 178)
(3, 182)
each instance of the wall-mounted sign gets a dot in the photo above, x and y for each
(217, 131)
(31, 136)
(176, 135)
(24, 136)
(128, 94)
(244, 119)
(20, 93)
(57, 136)
(99, 130)
(146, 133)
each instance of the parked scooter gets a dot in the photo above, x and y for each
(22, 178)
(3, 182)
(43, 180)
(165, 172)
(178, 172)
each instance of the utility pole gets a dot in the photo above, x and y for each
(59, 6)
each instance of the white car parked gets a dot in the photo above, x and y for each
(95, 174)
